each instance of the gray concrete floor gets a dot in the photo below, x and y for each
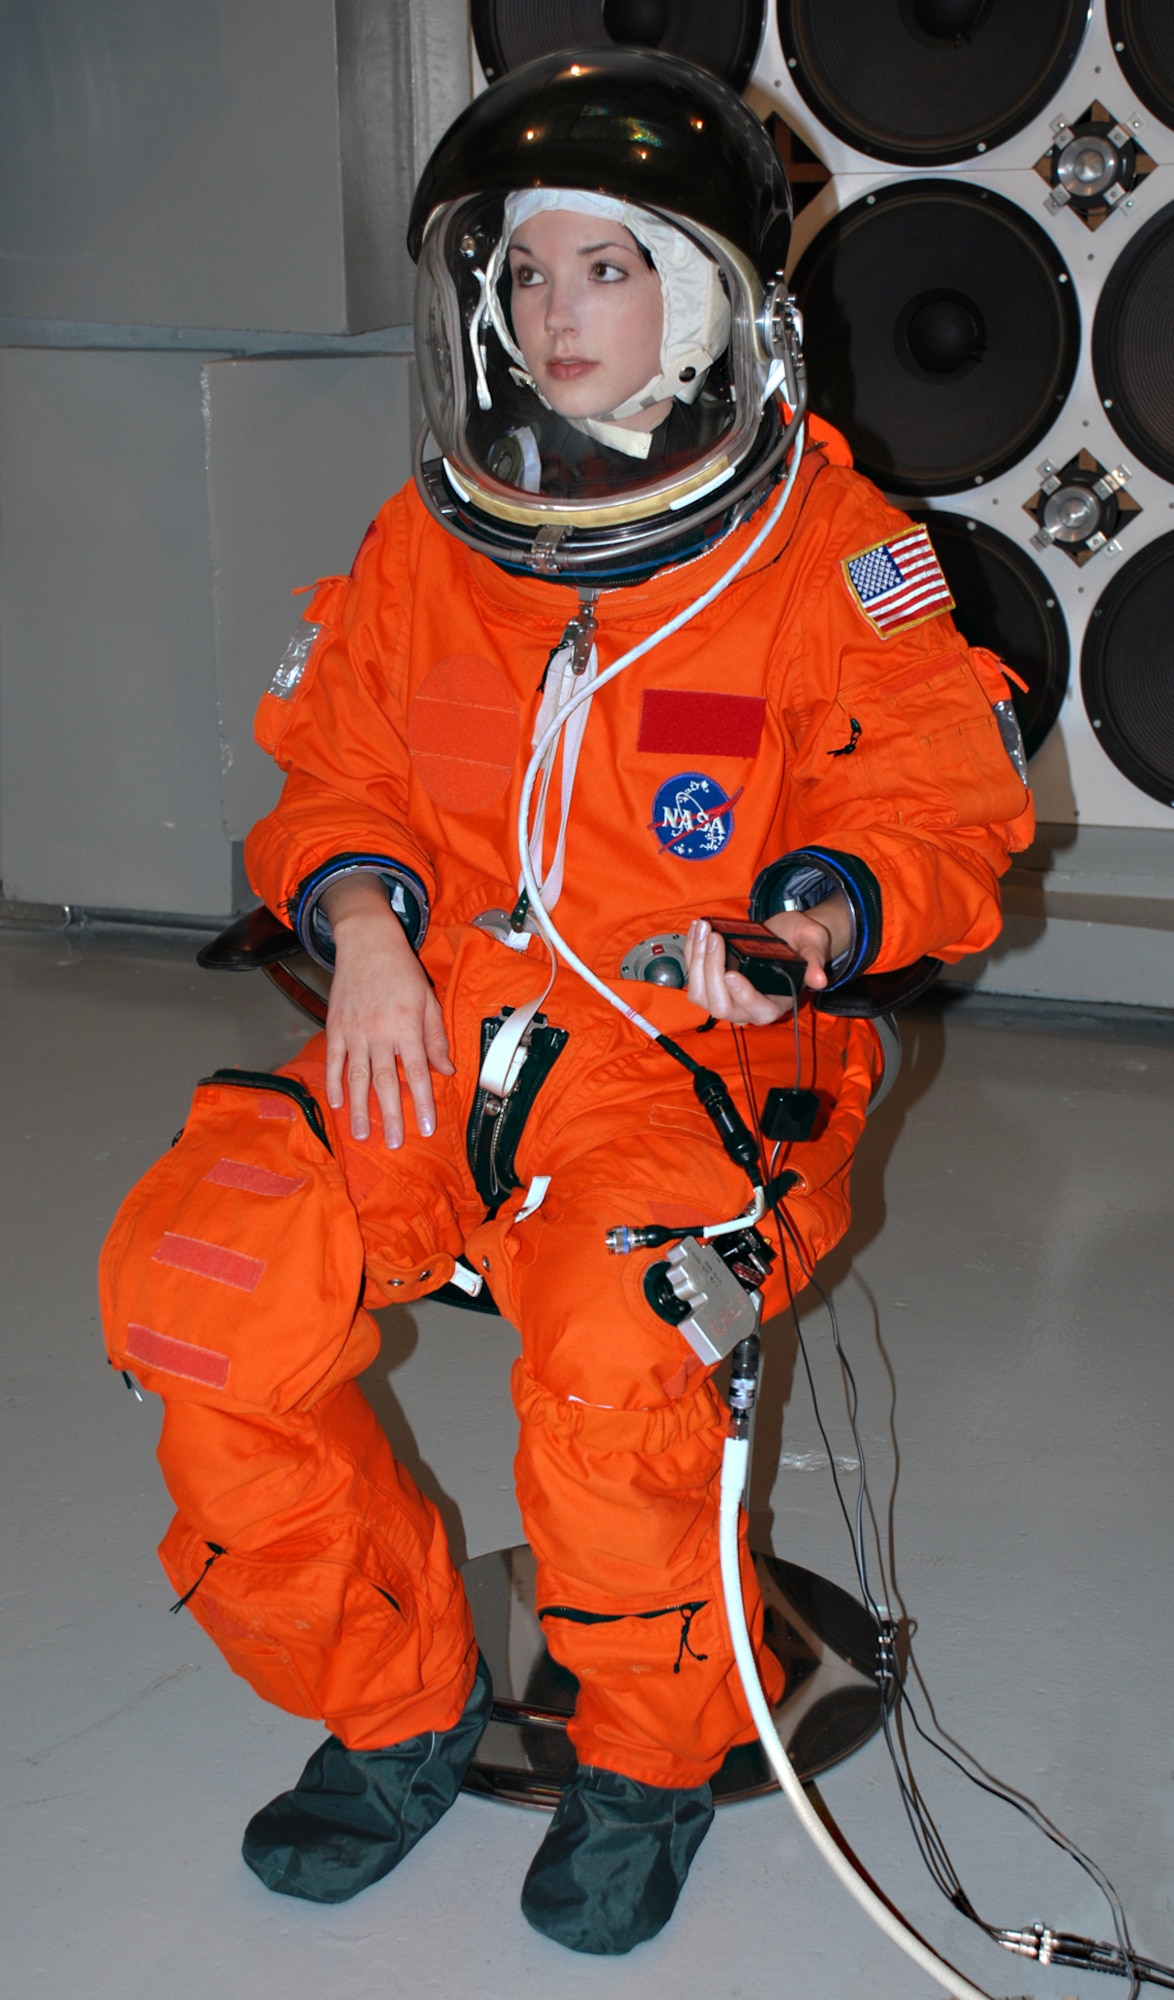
(1005, 1298)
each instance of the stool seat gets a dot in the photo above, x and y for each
(825, 1639)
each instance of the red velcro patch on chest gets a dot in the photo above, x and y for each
(683, 724)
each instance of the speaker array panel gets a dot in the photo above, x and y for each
(1133, 343)
(923, 83)
(725, 39)
(1067, 500)
(1142, 33)
(942, 333)
(1127, 670)
(985, 259)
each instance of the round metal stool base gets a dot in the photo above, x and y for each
(826, 1641)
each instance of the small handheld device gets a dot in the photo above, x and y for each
(767, 961)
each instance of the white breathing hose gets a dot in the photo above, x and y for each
(736, 1455)
(530, 883)
(735, 1460)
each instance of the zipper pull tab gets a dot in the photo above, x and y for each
(580, 633)
(578, 637)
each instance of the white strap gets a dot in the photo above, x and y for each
(484, 398)
(561, 683)
(535, 1196)
(505, 1055)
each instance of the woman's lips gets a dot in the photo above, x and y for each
(570, 371)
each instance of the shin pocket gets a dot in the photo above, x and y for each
(305, 1624)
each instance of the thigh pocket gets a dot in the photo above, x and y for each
(233, 1270)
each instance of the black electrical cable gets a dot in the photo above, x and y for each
(1040, 1942)
(925, 1833)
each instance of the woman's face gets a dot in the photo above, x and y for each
(587, 312)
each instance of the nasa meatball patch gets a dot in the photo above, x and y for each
(692, 816)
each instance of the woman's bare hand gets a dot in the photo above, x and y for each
(817, 936)
(384, 1019)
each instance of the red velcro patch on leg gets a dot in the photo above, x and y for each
(272, 1105)
(210, 1260)
(254, 1180)
(176, 1357)
(700, 725)
(362, 1175)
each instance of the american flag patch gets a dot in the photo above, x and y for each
(898, 584)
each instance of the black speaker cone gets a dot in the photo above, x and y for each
(1127, 670)
(942, 333)
(637, 23)
(1133, 343)
(924, 82)
(1142, 33)
(722, 39)
(1002, 600)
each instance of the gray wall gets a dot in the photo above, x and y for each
(109, 755)
(201, 204)
(300, 456)
(171, 162)
(156, 511)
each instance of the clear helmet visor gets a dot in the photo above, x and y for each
(584, 361)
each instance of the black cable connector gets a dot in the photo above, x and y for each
(713, 1095)
(743, 1391)
(625, 1238)
(714, 1098)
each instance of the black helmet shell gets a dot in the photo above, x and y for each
(631, 123)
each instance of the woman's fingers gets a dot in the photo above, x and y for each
(384, 1024)
(727, 996)
(358, 1090)
(435, 1040)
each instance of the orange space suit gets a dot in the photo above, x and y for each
(787, 719)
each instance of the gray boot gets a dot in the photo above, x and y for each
(614, 1860)
(354, 1814)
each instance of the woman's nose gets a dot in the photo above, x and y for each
(561, 308)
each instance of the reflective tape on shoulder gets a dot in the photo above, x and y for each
(254, 1180)
(209, 1260)
(176, 1357)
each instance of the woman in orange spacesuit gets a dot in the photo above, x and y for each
(600, 340)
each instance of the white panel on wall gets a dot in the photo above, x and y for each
(110, 785)
(301, 454)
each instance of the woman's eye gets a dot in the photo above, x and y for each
(608, 273)
(525, 274)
